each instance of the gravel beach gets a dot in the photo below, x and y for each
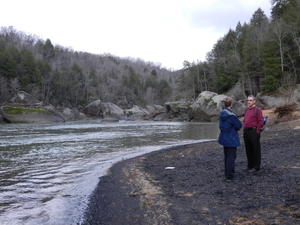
(185, 186)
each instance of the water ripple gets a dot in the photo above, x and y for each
(47, 171)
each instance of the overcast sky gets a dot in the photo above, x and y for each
(166, 32)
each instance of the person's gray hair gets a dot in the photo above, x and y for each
(251, 96)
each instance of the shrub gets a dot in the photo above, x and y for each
(285, 110)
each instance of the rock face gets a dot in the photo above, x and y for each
(73, 114)
(104, 110)
(24, 108)
(271, 101)
(94, 109)
(155, 108)
(28, 115)
(111, 110)
(206, 107)
(136, 113)
(209, 104)
(179, 110)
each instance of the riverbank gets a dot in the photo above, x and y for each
(185, 185)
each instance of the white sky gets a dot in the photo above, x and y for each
(166, 32)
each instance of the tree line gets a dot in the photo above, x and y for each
(264, 55)
(64, 77)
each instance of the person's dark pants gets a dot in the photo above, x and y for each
(229, 159)
(252, 145)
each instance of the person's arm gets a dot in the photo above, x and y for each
(236, 123)
(260, 122)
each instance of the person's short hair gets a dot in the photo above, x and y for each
(251, 96)
(227, 102)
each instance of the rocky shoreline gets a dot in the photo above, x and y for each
(186, 185)
(25, 108)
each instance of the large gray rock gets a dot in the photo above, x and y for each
(156, 112)
(239, 107)
(72, 114)
(155, 109)
(273, 101)
(28, 115)
(178, 110)
(136, 112)
(110, 110)
(209, 104)
(104, 110)
(68, 114)
(23, 98)
(94, 109)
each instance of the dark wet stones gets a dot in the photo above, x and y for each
(195, 191)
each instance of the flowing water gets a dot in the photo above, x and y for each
(48, 171)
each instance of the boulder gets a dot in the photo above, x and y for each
(239, 107)
(209, 104)
(104, 110)
(23, 98)
(153, 109)
(68, 114)
(94, 109)
(110, 110)
(72, 114)
(273, 101)
(136, 112)
(178, 110)
(53, 110)
(156, 112)
(82, 116)
(163, 116)
(28, 115)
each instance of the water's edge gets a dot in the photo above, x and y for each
(48, 171)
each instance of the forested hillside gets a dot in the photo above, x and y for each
(64, 77)
(263, 55)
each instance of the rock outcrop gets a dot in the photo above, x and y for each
(209, 104)
(13, 114)
(136, 113)
(104, 110)
(25, 108)
(178, 110)
(72, 114)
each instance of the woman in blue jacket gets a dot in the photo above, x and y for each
(229, 125)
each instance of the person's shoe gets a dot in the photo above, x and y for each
(257, 171)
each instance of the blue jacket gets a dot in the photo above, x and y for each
(229, 125)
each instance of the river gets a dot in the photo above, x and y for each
(48, 171)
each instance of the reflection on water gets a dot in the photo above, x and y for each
(48, 171)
